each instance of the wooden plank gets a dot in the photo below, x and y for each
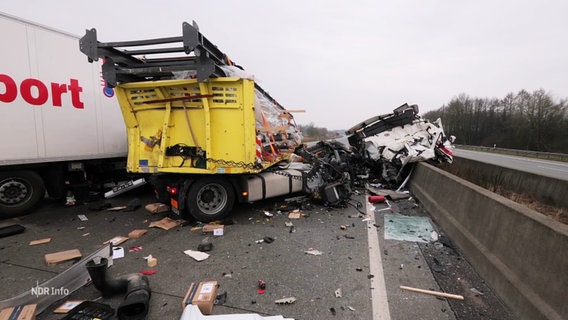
(434, 293)
(62, 256)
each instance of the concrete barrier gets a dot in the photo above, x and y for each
(547, 190)
(522, 254)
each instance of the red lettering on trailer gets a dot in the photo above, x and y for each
(36, 93)
(11, 89)
(26, 91)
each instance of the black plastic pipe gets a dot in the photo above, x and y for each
(136, 287)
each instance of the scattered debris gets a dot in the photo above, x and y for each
(40, 241)
(261, 286)
(19, 313)
(433, 236)
(135, 249)
(434, 293)
(67, 306)
(338, 293)
(477, 292)
(268, 214)
(296, 214)
(72, 279)
(151, 261)
(157, 207)
(377, 199)
(287, 300)
(82, 217)
(62, 256)
(351, 308)
(268, 239)
(288, 224)
(407, 228)
(137, 233)
(147, 272)
(332, 310)
(314, 252)
(205, 245)
(197, 255)
(118, 240)
(166, 223)
(216, 229)
(202, 295)
(118, 208)
(117, 252)
(11, 230)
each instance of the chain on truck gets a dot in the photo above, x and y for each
(207, 132)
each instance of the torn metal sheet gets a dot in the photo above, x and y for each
(59, 286)
(192, 312)
(408, 228)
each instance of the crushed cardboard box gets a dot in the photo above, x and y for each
(165, 223)
(202, 295)
(135, 234)
(157, 207)
(27, 312)
(118, 240)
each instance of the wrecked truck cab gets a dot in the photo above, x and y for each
(389, 143)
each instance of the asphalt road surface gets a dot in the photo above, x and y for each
(355, 259)
(547, 168)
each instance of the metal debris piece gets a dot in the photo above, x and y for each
(314, 252)
(287, 300)
(338, 293)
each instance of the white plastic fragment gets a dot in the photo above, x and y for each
(434, 236)
(287, 300)
(338, 293)
(351, 308)
(314, 252)
(197, 255)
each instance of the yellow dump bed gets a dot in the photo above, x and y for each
(219, 126)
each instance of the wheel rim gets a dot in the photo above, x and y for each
(13, 191)
(212, 199)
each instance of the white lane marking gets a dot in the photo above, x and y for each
(379, 300)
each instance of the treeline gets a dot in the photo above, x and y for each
(529, 121)
(313, 133)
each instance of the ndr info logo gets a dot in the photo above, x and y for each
(49, 291)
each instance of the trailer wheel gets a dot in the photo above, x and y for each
(20, 192)
(210, 198)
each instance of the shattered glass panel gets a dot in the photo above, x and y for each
(408, 228)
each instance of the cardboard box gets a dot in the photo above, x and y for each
(27, 312)
(202, 295)
(216, 229)
(62, 256)
(157, 207)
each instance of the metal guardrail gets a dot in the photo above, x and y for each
(522, 153)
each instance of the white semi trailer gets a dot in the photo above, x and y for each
(59, 125)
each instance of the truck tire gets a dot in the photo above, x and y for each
(20, 192)
(210, 198)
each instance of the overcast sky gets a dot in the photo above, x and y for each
(345, 61)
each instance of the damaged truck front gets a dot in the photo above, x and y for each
(212, 137)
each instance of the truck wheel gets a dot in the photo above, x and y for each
(210, 198)
(20, 192)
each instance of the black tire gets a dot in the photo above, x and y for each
(20, 192)
(210, 198)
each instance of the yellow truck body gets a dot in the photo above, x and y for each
(216, 119)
